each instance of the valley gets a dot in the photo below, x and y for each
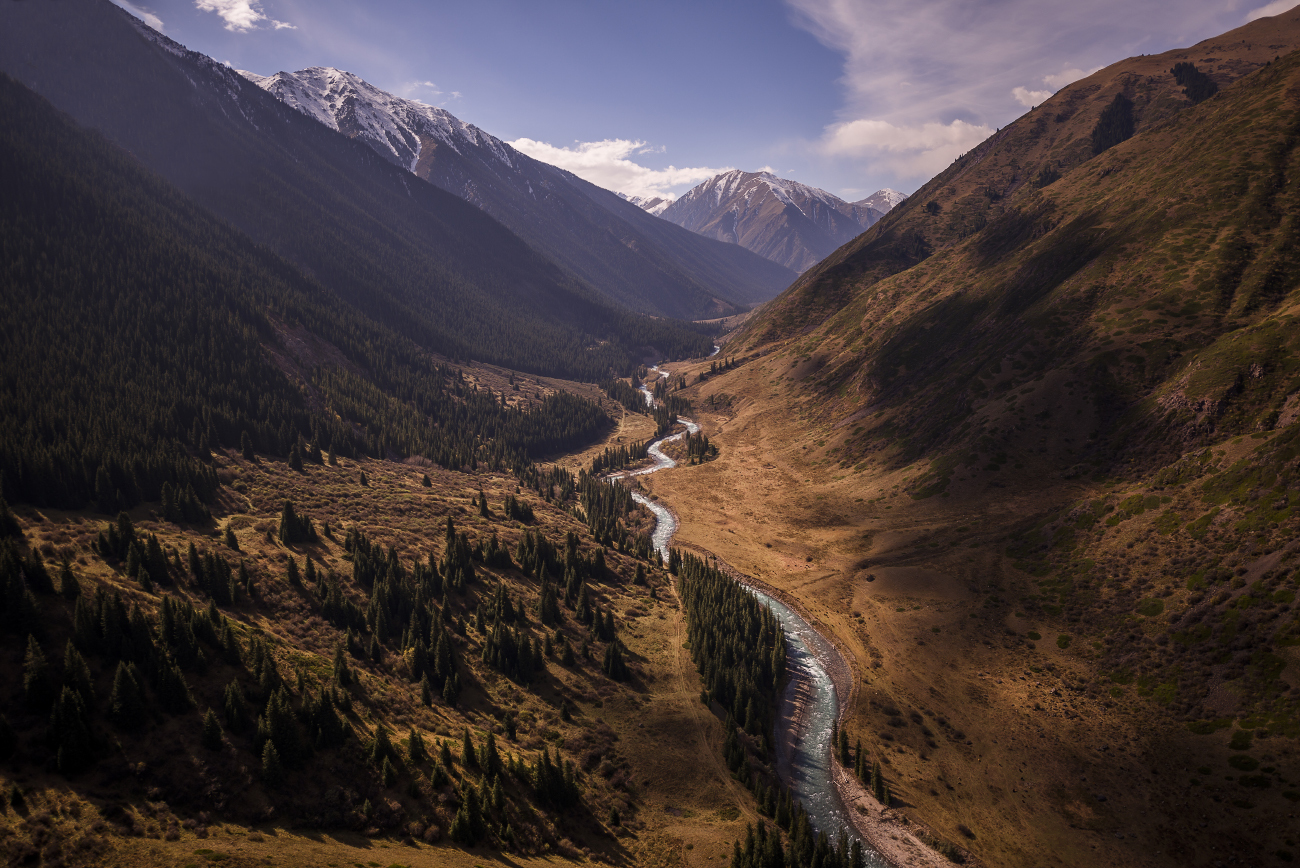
(374, 494)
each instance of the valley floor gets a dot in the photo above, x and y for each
(997, 731)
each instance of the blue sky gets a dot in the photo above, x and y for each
(847, 95)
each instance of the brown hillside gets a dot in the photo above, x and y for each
(982, 185)
(1038, 474)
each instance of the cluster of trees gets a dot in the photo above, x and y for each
(1197, 86)
(716, 368)
(618, 457)
(699, 449)
(805, 848)
(627, 394)
(606, 504)
(1115, 125)
(736, 643)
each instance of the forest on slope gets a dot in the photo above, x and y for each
(418, 260)
(143, 332)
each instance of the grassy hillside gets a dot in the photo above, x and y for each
(1037, 472)
(1046, 143)
(338, 647)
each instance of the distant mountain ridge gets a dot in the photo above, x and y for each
(603, 239)
(413, 257)
(781, 220)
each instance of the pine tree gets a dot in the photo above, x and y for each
(272, 769)
(878, 787)
(235, 708)
(212, 735)
(69, 733)
(38, 681)
(126, 706)
(415, 752)
(490, 762)
(387, 774)
(468, 758)
(76, 674)
(69, 587)
(246, 446)
(843, 748)
(231, 542)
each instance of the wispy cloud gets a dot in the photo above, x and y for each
(607, 164)
(422, 90)
(143, 14)
(1277, 7)
(242, 16)
(922, 79)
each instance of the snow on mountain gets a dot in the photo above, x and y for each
(393, 126)
(882, 200)
(625, 253)
(654, 204)
(783, 220)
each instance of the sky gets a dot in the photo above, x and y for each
(653, 98)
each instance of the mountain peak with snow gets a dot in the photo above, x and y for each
(883, 201)
(783, 220)
(396, 127)
(656, 205)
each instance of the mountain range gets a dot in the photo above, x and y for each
(600, 237)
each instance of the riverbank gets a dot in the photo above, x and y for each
(898, 840)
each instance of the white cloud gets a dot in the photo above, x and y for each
(965, 67)
(143, 14)
(606, 164)
(1277, 7)
(1030, 98)
(916, 151)
(1066, 76)
(241, 16)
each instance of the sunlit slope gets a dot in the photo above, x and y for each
(1142, 302)
(996, 177)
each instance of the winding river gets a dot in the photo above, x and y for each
(809, 707)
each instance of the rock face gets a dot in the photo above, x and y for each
(611, 242)
(781, 220)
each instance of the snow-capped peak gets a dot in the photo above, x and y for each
(654, 204)
(882, 200)
(391, 124)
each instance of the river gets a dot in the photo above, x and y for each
(809, 706)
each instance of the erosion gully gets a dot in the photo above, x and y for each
(810, 704)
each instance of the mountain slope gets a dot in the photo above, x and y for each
(607, 242)
(1037, 148)
(1049, 444)
(155, 332)
(423, 262)
(784, 221)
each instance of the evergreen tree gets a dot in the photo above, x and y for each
(468, 757)
(212, 735)
(415, 752)
(272, 769)
(490, 762)
(38, 681)
(126, 705)
(76, 674)
(246, 446)
(69, 733)
(69, 587)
